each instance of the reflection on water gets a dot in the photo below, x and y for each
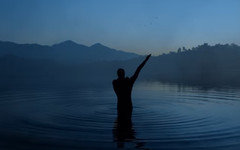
(164, 117)
(123, 132)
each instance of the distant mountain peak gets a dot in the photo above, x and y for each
(67, 42)
(97, 45)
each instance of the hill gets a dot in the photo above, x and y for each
(203, 65)
(65, 52)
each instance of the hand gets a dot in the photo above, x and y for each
(148, 56)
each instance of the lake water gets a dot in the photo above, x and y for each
(165, 116)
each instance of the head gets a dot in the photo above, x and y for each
(121, 73)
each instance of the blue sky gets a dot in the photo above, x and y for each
(141, 26)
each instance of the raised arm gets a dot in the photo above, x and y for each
(134, 77)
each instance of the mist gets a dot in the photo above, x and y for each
(28, 65)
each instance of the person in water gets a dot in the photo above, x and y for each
(123, 89)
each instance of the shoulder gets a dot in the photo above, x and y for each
(114, 81)
(129, 79)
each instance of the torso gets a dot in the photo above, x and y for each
(123, 89)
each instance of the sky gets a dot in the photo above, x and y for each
(139, 26)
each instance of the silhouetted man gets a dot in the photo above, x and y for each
(123, 89)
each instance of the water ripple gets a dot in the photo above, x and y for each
(163, 118)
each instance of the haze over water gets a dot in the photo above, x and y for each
(57, 95)
(164, 117)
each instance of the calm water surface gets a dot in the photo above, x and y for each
(164, 117)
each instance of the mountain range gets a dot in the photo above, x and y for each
(32, 64)
(65, 52)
